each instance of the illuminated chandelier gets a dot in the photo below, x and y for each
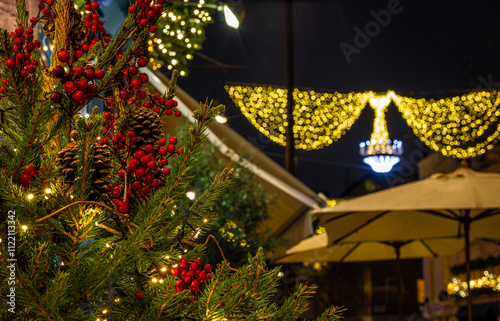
(380, 152)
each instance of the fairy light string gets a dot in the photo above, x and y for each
(461, 126)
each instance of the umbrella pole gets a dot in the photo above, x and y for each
(400, 281)
(467, 264)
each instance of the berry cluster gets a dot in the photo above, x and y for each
(78, 82)
(23, 46)
(147, 14)
(28, 175)
(46, 11)
(92, 20)
(141, 168)
(133, 91)
(160, 104)
(190, 275)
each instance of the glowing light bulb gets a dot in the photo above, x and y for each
(221, 119)
(30, 196)
(191, 195)
(48, 190)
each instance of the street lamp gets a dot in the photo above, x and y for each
(233, 13)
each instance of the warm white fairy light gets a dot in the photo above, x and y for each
(30, 196)
(163, 269)
(154, 280)
(48, 190)
(191, 195)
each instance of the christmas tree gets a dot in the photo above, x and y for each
(95, 221)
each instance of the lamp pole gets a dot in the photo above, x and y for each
(289, 78)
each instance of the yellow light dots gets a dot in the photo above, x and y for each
(183, 73)
(488, 281)
(163, 269)
(30, 196)
(154, 280)
(117, 300)
(45, 48)
(461, 127)
(107, 245)
(48, 190)
(104, 311)
(320, 118)
(24, 227)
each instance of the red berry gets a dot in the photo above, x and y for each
(93, 89)
(168, 112)
(19, 31)
(171, 148)
(33, 20)
(114, 141)
(104, 141)
(131, 168)
(82, 84)
(149, 148)
(175, 271)
(137, 185)
(77, 72)
(148, 180)
(165, 171)
(116, 193)
(69, 86)
(145, 191)
(78, 96)
(198, 262)
(163, 151)
(162, 142)
(178, 113)
(94, 5)
(179, 151)
(79, 53)
(124, 94)
(138, 295)
(144, 78)
(142, 62)
(56, 97)
(133, 70)
(145, 159)
(136, 82)
(144, 22)
(151, 164)
(172, 140)
(140, 172)
(122, 207)
(140, 94)
(157, 110)
(132, 9)
(10, 63)
(119, 136)
(99, 73)
(89, 73)
(63, 55)
(164, 162)
(131, 134)
(152, 29)
(208, 268)
(107, 115)
(138, 154)
(85, 47)
(58, 71)
(155, 184)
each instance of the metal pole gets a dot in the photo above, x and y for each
(400, 281)
(290, 143)
(467, 263)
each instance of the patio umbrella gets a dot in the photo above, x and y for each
(316, 248)
(463, 203)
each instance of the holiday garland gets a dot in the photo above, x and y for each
(463, 126)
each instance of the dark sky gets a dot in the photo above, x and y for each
(426, 49)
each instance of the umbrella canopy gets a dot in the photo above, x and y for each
(463, 203)
(315, 248)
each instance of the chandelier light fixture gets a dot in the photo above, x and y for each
(380, 152)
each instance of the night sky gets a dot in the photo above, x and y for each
(426, 49)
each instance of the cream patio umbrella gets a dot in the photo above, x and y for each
(463, 203)
(316, 248)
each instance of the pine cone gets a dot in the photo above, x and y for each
(67, 160)
(147, 126)
(102, 170)
(80, 35)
